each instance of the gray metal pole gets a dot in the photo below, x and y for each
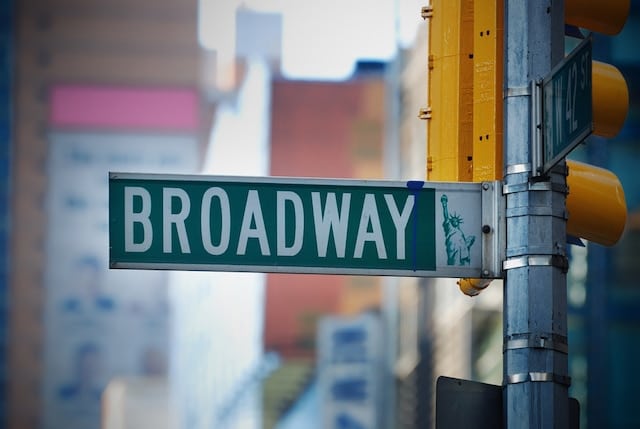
(535, 297)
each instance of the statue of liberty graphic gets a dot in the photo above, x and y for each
(457, 243)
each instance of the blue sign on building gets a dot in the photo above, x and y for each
(349, 368)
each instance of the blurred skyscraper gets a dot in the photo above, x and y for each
(259, 36)
(217, 360)
(99, 86)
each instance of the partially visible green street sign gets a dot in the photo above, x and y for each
(301, 225)
(567, 105)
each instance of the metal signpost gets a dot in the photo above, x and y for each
(566, 106)
(535, 363)
(306, 225)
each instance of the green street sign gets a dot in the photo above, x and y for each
(567, 105)
(221, 223)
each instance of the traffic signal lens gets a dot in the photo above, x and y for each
(610, 99)
(596, 204)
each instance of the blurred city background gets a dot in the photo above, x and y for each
(253, 88)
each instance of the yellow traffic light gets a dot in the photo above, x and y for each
(596, 204)
(464, 117)
(450, 90)
(464, 128)
(606, 17)
(487, 90)
(610, 99)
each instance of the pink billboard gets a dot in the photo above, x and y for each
(124, 108)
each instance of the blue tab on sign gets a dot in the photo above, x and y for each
(415, 186)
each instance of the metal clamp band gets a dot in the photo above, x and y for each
(538, 341)
(529, 249)
(536, 211)
(516, 187)
(517, 168)
(536, 186)
(538, 377)
(541, 186)
(558, 261)
(549, 186)
(518, 91)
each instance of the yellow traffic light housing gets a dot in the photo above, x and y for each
(610, 99)
(464, 117)
(450, 90)
(595, 203)
(606, 17)
(487, 90)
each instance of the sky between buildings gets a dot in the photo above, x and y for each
(320, 39)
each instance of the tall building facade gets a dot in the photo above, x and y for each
(217, 359)
(98, 87)
(218, 363)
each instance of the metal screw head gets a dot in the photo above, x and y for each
(486, 229)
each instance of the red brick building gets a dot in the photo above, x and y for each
(322, 129)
